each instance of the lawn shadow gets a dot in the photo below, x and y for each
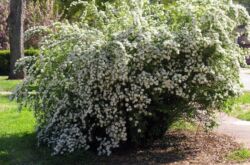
(22, 149)
(172, 148)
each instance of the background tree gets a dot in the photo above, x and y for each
(16, 21)
(4, 38)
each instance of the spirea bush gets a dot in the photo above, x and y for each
(124, 75)
(40, 13)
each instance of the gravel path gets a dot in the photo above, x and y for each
(245, 79)
(236, 128)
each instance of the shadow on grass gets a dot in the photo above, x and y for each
(22, 150)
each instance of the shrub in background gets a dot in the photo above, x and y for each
(123, 75)
(5, 57)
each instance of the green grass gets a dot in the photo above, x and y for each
(18, 144)
(245, 116)
(183, 125)
(241, 108)
(8, 85)
(239, 155)
(244, 99)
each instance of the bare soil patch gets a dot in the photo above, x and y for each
(179, 148)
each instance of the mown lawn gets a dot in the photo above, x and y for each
(241, 109)
(239, 155)
(8, 85)
(18, 145)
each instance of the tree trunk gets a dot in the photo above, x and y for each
(16, 21)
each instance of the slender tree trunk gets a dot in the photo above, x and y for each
(16, 21)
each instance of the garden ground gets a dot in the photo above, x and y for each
(183, 145)
(239, 129)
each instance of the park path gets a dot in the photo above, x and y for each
(236, 128)
(245, 78)
(5, 93)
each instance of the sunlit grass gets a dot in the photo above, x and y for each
(241, 108)
(183, 125)
(18, 143)
(239, 155)
(244, 99)
(6, 104)
(8, 85)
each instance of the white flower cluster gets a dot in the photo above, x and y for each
(97, 88)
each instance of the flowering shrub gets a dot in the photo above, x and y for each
(124, 77)
(40, 13)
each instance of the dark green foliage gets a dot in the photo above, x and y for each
(5, 57)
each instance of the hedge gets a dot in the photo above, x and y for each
(5, 57)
